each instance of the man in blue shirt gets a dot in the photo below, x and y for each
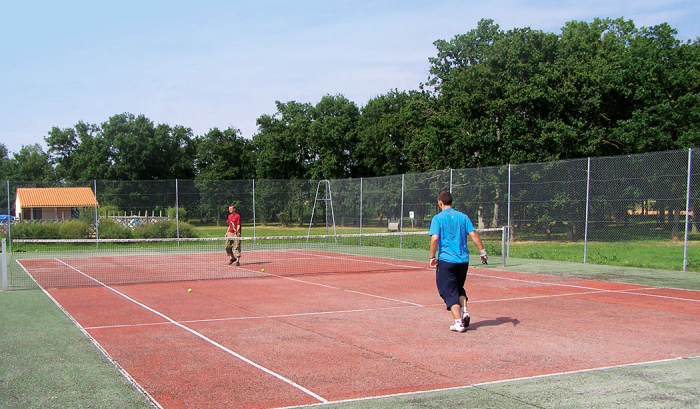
(448, 235)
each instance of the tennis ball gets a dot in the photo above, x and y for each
(262, 270)
(189, 290)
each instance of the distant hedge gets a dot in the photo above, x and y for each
(108, 229)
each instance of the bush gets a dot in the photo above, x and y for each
(35, 230)
(187, 230)
(87, 215)
(181, 213)
(164, 229)
(74, 229)
(108, 210)
(283, 218)
(109, 229)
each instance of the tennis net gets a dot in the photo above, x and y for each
(71, 263)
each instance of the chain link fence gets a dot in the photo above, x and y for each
(608, 210)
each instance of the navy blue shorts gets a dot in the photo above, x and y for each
(450, 279)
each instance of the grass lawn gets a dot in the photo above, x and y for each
(47, 362)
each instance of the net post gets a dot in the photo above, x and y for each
(4, 265)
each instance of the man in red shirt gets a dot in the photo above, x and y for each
(233, 236)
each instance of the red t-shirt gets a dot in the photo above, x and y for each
(234, 223)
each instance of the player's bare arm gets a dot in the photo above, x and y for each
(479, 245)
(433, 248)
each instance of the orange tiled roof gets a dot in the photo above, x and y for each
(55, 196)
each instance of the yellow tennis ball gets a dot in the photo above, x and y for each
(189, 290)
(262, 270)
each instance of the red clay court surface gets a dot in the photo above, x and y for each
(277, 341)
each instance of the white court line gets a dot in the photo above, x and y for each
(625, 291)
(593, 289)
(204, 337)
(480, 385)
(332, 287)
(97, 345)
(257, 317)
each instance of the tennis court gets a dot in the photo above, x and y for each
(319, 325)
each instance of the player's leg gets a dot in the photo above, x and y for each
(462, 279)
(238, 249)
(448, 286)
(229, 251)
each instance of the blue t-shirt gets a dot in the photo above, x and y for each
(452, 228)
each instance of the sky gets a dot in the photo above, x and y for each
(223, 64)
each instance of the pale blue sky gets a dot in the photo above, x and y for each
(214, 63)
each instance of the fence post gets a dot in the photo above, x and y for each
(4, 266)
(254, 236)
(177, 213)
(9, 222)
(401, 215)
(361, 211)
(508, 221)
(687, 209)
(504, 237)
(588, 193)
(97, 218)
(450, 180)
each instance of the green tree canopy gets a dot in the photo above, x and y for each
(224, 155)
(281, 145)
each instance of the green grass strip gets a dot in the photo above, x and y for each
(47, 362)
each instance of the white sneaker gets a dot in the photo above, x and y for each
(465, 319)
(457, 328)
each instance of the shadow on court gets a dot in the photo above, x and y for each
(493, 323)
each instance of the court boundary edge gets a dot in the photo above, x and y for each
(97, 345)
(481, 385)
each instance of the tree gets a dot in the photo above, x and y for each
(31, 163)
(224, 155)
(662, 79)
(333, 138)
(5, 163)
(77, 153)
(281, 145)
(174, 156)
(389, 138)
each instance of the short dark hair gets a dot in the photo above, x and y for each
(445, 197)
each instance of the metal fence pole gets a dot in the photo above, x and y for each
(687, 209)
(504, 236)
(588, 195)
(450, 180)
(97, 218)
(508, 221)
(401, 218)
(361, 211)
(254, 236)
(9, 222)
(177, 214)
(4, 266)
